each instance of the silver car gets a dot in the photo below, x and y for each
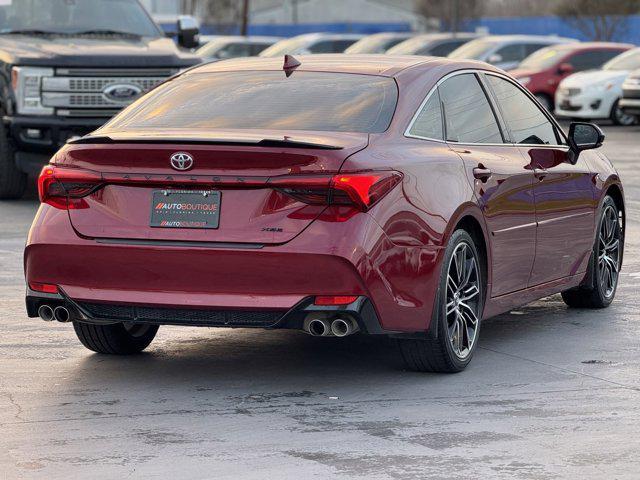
(505, 51)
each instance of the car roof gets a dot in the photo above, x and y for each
(328, 36)
(390, 35)
(593, 45)
(527, 38)
(447, 36)
(367, 64)
(247, 38)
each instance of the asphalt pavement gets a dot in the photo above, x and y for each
(551, 392)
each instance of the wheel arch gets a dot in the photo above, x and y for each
(470, 218)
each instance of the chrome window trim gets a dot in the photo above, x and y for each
(408, 134)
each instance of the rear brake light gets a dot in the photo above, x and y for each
(64, 187)
(362, 190)
(335, 300)
(43, 287)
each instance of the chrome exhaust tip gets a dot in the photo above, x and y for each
(45, 312)
(341, 327)
(61, 314)
(318, 327)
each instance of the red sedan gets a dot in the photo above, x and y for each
(542, 71)
(402, 196)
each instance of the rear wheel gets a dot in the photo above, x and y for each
(117, 338)
(13, 182)
(620, 118)
(459, 308)
(605, 264)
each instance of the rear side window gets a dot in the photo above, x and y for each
(467, 113)
(266, 100)
(428, 123)
(526, 121)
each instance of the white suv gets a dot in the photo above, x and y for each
(594, 95)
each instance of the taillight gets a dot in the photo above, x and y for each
(361, 189)
(64, 187)
(335, 300)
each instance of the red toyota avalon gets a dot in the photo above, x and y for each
(404, 196)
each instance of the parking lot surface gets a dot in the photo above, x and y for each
(551, 392)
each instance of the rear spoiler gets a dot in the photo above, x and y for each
(264, 142)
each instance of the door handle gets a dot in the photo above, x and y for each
(481, 173)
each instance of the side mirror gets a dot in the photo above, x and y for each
(494, 58)
(188, 32)
(565, 68)
(583, 136)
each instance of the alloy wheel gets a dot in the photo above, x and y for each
(463, 300)
(622, 118)
(609, 251)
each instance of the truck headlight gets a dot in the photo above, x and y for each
(27, 85)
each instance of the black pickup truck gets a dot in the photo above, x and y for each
(67, 66)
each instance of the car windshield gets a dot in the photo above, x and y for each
(335, 102)
(290, 46)
(70, 17)
(374, 44)
(543, 58)
(475, 49)
(625, 61)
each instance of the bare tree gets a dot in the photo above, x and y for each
(603, 20)
(451, 13)
(226, 15)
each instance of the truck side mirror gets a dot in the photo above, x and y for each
(583, 136)
(188, 32)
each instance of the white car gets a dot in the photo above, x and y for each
(505, 51)
(594, 95)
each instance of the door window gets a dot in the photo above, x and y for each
(467, 112)
(527, 123)
(511, 53)
(590, 60)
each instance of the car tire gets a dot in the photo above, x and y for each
(545, 101)
(13, 182)
(618, 117)
(605, 263)
(447, 352)
(117, 338)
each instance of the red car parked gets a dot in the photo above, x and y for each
(542, 71)
(405, 196)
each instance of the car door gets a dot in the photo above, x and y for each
(502, 182)
(564, 195)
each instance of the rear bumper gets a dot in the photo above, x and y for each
(328, 258)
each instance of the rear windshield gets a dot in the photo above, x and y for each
(266, 100)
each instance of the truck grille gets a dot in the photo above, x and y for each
(99, 91)
(175, 316)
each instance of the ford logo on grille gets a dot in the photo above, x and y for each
(181, 161)
(122, 92)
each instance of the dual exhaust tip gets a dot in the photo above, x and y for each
(337, 327)
(49, 313)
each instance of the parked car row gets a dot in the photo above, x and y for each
(573, 79)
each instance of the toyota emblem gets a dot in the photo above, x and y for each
(181, 161)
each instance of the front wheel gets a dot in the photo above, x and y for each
(459, 305)
(618, 116)
(604, 267)
(117, 338)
